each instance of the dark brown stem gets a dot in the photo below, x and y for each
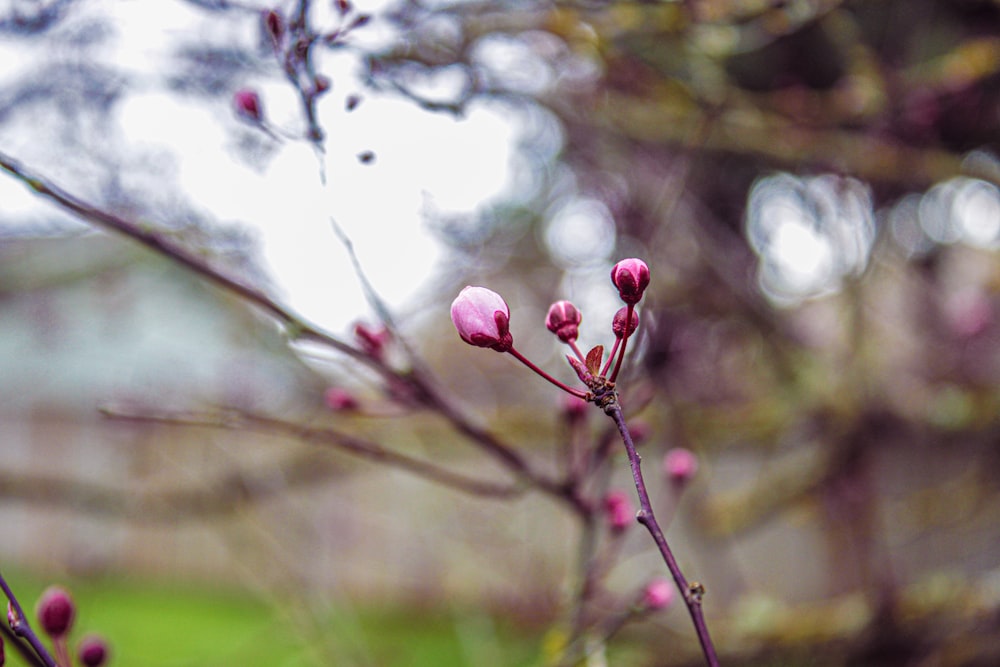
(691, 592)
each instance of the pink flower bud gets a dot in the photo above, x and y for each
(340, 400)
(564, 321)
(631, 277)
(321, 83)
(274, 26)
(55, 611)
(618, 324)
(352, 102)
(658, 594)
(372, 341)
(247, 104)
(92, 651)
(618, 511)
(573, 408)
(482, 318)
(680, 465)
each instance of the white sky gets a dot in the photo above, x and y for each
(456, 165)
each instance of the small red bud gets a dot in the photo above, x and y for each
(274, 26)
(618, 323)
(340, 400)
(680, 465)
(56, 611)
(247, 104)
(631, 277)
(343, 6)
(352, 102)
(92, 651)
(658, 594)
(366, 157)
(563, 320)
(321, 83)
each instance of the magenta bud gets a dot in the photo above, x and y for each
(274, 26)
(343, 6)
(658, 594)
(321, 84)
(631, 277)
(563, 320)
(370, 340)
(680, 465)
(618, 511)
(352, 102)
(247, 104)
(482, 318)
(340, 400)
(92, 651)
(12, 617)
(618, 323)
(573, 408)
(55, 611)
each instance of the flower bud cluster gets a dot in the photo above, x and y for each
(482, 318)
(56, 612)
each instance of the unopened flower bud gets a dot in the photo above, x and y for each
(247, 104)
(482, 318)
(658, 594)
(618, 511)
(92, 651)
(372, 341)
(573, 408)
(564, 321)
(274, 26)
(340, 400)
(618, 323)
(631, 277)
(321, 83)
(680, 465)
(56, 611)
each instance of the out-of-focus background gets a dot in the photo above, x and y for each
(814, 185)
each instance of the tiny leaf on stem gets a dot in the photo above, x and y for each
(594, 359)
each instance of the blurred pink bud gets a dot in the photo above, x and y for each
(340, 400)
(92, 651)
(274, 26)
(969, 312)
(366, 157)
(55, 611)
(343, 6)
(631, 277)
(321, 83)
(370, 340)
(352, 102)
(639, 429)
(680, 465)
(573, 408)
(564, 321)
(482, 318)
(247, 104)
(618, 324)
(618, 510)
(658, 594)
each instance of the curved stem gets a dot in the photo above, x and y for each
(691, 592)
(524, 360)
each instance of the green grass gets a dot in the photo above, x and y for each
(158, 625)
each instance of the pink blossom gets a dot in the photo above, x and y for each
(340, 400)
(563, 320)
(92, 651)
(56, 611)
(680, 465)
(618, 323)
(482, 318)
(631, 277)
(247, 104)
(618, 510)
(658, 594)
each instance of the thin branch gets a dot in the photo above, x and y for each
(20, 627)
(350, 444)
(691, 592)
